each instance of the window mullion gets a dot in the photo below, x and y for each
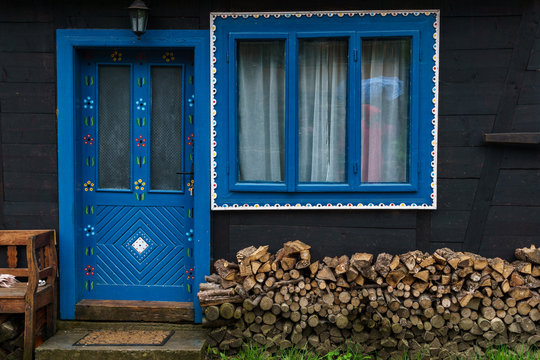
(355, 113)
(291, 126)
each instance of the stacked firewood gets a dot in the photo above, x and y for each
(438, 304)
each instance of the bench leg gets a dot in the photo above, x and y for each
(29, 329)
(51, 319)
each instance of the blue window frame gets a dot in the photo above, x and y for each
(349, 85)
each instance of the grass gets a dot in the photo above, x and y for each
(251, 351)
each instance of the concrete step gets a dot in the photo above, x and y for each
(187, 343)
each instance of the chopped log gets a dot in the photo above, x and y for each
(342, 266)
(382, 264)
(245, 253)
(361, 260)
(326, 274)
(422, 275)
(249, 283)
(211, 313)
(520, 293)
(287, 263)
(224, 270)
(394, 277)
(314, 267)
(530, 254)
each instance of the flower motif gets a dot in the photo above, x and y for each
(89, 230)
(141, 104)
(190, 187)
(88, 140)
(141, 57)
(191, 139)
(89, 270)
(189, 235)
(191, 100)
(116, 56)
(168, 56)
(190, 274)
(140, 141)
(139, 185)
(88, 103)
(88, 186)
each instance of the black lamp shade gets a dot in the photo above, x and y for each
(138, 13)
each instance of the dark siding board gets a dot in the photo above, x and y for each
(504, 246)
(534, 59)
(438, 245)
(456, 194)
(38, 159)
(522, 44)
(423, 229)
(321, 218)
(28, 128)
(464, 130)
(520, 158)
(517, 187)
(28, 98)
(27, 67)
(502, 220)
(325, 241)
(460, 162)
(498, 32)
(30, 187)
(530, 92)
(26, 11)
(473, 66)
(449, 226)
(527, 118)
(27, 37)
(469, 99)
(31, 215)
(220, 235)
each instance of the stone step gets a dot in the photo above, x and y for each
(187, 343)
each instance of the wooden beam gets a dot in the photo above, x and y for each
(124, 310)
(517, 138)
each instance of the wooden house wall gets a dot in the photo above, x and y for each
(488, 196)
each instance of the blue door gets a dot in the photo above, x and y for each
(135, 171)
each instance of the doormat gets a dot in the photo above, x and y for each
(125, 338)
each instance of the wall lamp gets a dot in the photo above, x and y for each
(138, 13)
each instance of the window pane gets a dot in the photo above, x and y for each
(322, 110)
(261, 110)
(114, 127)
(166, 128)
(385, 109)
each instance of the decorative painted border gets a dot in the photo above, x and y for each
(299, 14)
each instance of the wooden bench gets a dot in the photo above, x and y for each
(28, 297)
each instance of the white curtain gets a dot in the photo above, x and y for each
(261, 110)
(322, 94)
(385, 109)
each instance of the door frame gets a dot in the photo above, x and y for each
(67, 42)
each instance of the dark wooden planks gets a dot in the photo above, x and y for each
(28, 97)
(27, 128)
(449, 225)
(31, 215)
(517, 187)
(31, 158)
(148, 311)
(470, 65)
(469, 98)
(456, 194)
(490, 32)
(326, 241)
(460, 162)
(24, 187)
(534, 59)
(464, 130)
(530, 91)
(527, 118)
(27, 67)
(322, 218)
(27, 37)
(522, 43)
